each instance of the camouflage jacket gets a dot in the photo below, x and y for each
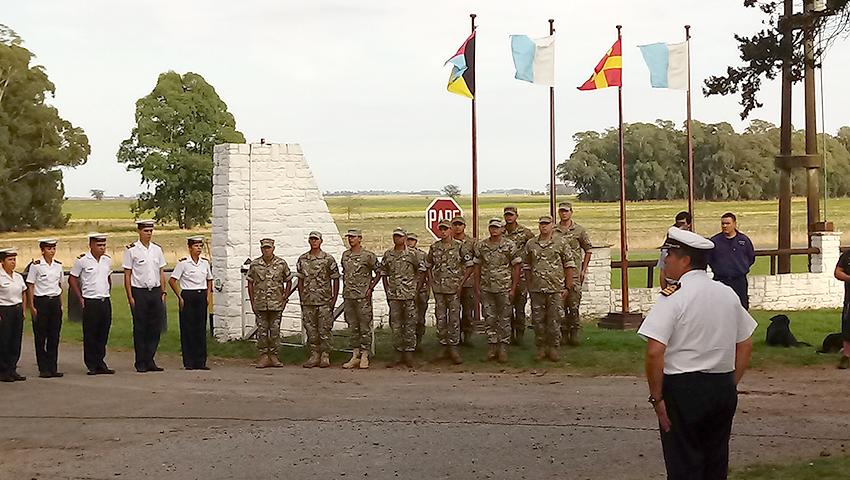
(267, 282)
(468, 244)
(448, 263)
(520, 237)
(578, 240)
(547, 262)
(420, 257)
(401, 269)
(358, 270)
(315, 274)
(496, 262)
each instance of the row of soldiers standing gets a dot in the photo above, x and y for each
(502, 270)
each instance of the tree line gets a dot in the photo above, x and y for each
(727, 165)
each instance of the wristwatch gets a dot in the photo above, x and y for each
(654, 400)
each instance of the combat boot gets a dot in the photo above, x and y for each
(275, 361)
(573, 337)
(364, 359)
(312, 361)
(355, 359)
(325, 362)
(553, 354)
(844, 362)
(503, 353)
(397, 359)
(455, 356)
(541, 353)
(443, 353)
(264, 361)
(408, 359)
(491, 353)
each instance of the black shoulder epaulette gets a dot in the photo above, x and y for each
(156, 244)
(184, 258)
(57, 261)
(36, 262)
(670, 290)
(82, 255)
(207, 259)
(130, 245)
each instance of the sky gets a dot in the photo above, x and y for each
(361, 84)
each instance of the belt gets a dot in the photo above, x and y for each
(10, 306)
(104, 299)
(150, 289)
(48, 297)
(204, 290)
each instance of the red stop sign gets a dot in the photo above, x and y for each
(439, 209)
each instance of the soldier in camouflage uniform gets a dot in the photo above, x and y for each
(399, 272)
(318, 287)
(422, 295)
(520, 236)
(497, 269)
(359, 277)
(269, 284)
(468, 299)
(578, 240)
(548, 266)
(449, 264)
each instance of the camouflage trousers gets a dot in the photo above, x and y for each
(518, 307)
(421, 310)
(317, 320)
(403, 324)
(447, 312)
(268, 331)
(546, 312)
(468, 317)
(570, 319)
(358, 316)
(497, 316)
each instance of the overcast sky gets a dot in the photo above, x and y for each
(360, 84)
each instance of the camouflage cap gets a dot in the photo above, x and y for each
(412, 236)
(545, 219)
(400, 231)
(458, 219)
(354, 232)
(510, 209)
(266, 242)
(565, 205)
(444, 223)
(496, 222)
(315, 234)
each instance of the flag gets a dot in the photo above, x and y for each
(609, 71)
(534, 59)
(668, 64)
(462, 78)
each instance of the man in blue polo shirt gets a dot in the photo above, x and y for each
(732, 257)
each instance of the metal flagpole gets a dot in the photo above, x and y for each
(552, 189)
(474, 146)
(624, 247)
(690, 135)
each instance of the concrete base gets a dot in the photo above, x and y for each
(621, 321)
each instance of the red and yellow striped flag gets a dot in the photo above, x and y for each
(609, 71)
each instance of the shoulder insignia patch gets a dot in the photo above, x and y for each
(57, 261)
(130, 245)
(36, 262)
(184, 258)
(670, 290)
(82, 255)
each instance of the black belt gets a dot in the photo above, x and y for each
(104, 299)
(150, 289)
(200, 290)
(10, 306)
(48, 297)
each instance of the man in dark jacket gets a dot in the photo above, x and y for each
(732, 257)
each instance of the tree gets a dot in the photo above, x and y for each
(451, 190)
(97, 194)
(34, 142)
(177, 126)
(763, 54)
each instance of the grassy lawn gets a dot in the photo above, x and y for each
(603, 352)
(829, 468)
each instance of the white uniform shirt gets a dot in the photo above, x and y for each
(699, 324)
(192, 276)
(11, 289)
(93, 275)
(45, 278)
(144, 264)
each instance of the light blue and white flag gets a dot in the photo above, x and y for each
(534, 59)
(668, 64)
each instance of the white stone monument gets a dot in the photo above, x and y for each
(261, 190)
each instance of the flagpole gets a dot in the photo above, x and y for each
(552, 188)
(624, 248)
(474, 149)
(690, 135)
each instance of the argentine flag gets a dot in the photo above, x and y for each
(668, 64)
(534, 59)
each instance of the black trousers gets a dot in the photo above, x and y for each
(193, 328)
(11, 331)
(147, 325)
(701, 407)
(739, 284)
(97, 319)
(45, 329)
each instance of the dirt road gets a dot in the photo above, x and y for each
(235, 421)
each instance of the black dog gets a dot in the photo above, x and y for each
(779, 333)
(833, 343)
